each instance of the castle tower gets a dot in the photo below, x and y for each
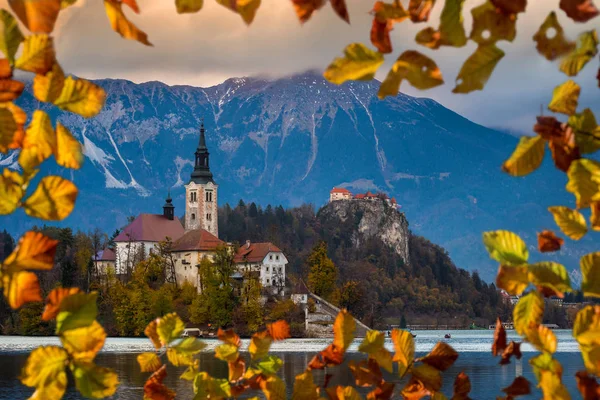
(169, 208)
(201, 192)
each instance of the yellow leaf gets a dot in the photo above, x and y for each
(543, 339)
(48, 87)
(421, 71)
(39, 141)
(565, 98)
(191, 372)
(189, 345)
(373, 345)
(246, 8)
(81, 97)
(169, 328)
(120, 23)
(551, 276)
(441, 357)
(226, 352)
(419, 10)
(584, 181)
(260, 343)
(11, 191)
(8, 127)
(10, 35)
(149, 362)
(478, 68)
(513, 279)
(45, 370)
(53, 300)
(506, 247)
(37, 15)
(570, 222)
(53, 199)
(38, 54)
(34, 251)
(359, 63)
(587, 48)
(528, 313)
(273, 388)
(305, 388)
(20, 288)
(555, 46)
(490, 26)
(269, 365)
(343, 330)
(595, 217)
(151, 332)
(68, 152)
(587, 131)
(188, 6)
(207, 387)
(451, 31)
(76, 310)
(84, 343)
(590, 273)
(586, 328)
(178, 358)
(93, 381)
(429, 376)
(526, 158)
(404, 345)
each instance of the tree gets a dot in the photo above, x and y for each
(323, 273)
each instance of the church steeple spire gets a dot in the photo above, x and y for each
(202, 143)
(201, 173)
(169, 208)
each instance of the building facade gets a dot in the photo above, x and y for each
(201, 193)
(189, 251)
(339, 194)
(265, 259)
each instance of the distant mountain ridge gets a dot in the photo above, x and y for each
(289, 141)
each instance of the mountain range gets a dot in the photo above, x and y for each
(289, 141)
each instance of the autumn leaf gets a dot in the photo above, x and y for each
(69, 152)
(10, 90)
(155, 389)
(462, 387)
(260, 343)
(590, 274)
(38, 54)
(81, 97)
(526, 158)
(430, 377)
(512, 349)
(404, 346)
(54, 299)
(188, 6)
(421, 71)
(419, 10)
(10, 35)
(414, 390)
(548, 241)
(366, 372)
(552, 47)
(373, 345)
(206, 386)
(245, 8)
(149, 362)
(279, 330)
(226, 352)
(587, 48)
(33, 251)
(564, 150)
(441, 357)
(528, 312)
(48, 87)
(229, 337)
(76, 311)
(519, 387)
(586, 328)
(45, 371)
(84, 343)
(8, 127)
(451, 31)
(236, 369)
(93, 381)
(359, 63)
(39, 141)
(579, 10)
(37, 15)
(20, 287)
(595, 215)
(380, 35)
(490, 26)
(343, 330)
(305, 8)
(510, 6)
(305, 388)
(385, 16)
(543, 339)
(565, 98)
(121, 24)
(570, 222)
(331, 356)
(169, 328)
(53, 199)
(506, 247)
(552, 277)
(269, 365)
(499, 343)
(587, 131)
(477, 69)
(339, 6)
(152, 333)
(11, 191)
(584, 181)
(587, 385)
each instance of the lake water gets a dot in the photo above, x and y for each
(487, 377)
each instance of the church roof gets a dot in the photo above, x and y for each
(254, 252)
(151, 228)
(105, 255)
(197, 239)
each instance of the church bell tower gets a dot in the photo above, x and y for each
(201, 192)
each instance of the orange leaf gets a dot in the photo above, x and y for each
(10, 90)
(499, 338)
(53, 301)
(414, 390)
(37, 15)
(419, 10)
(549, 128)
(548, 241)
(339, 6)
(34, 251)
(513, 349)
(519, 387)
(510, 6)
(152, 333)
(384, 391)
(343, 330)
(20, 288)
(5, 69)
(122, 25)
(462, 387)
(237, 369)
(561, 141)
(132, 4)
(595, 217)
(441, 357)
(154, 389)
(366, 373)
(587, 385)
(579, 10)
(305, 8)
(380, 36)
(229, 337)
(279, 330)
(329, 357)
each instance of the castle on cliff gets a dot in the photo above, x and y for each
(339, 193)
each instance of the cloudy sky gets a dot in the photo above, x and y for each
(206, 48)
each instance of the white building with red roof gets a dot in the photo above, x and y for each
(188, 252)
(339, 194)
(265, 259)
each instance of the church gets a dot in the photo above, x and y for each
(196, 238)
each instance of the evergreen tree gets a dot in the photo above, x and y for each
(323, 272)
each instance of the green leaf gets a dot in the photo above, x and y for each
(10, 35)
(190, 345)
(571, 222)
(451, 32)
(506, 247)
(590, 271)
(226, 352)
(587, 131)
(206, 387)
(269, 365)
(526, 158)
(76, 311)
(478, 68)
(550, 275)
(94, 382)
(528, 311)
(565, 98)
(584, 181)
(587, 48)
(169, 328)
(359, 63)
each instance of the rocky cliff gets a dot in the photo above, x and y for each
(369, 220)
